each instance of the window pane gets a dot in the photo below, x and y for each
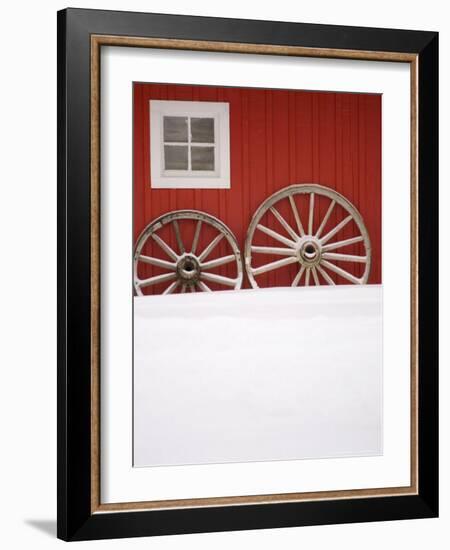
(176, 128)
(202, 158)
(202, 130)
(175, 157)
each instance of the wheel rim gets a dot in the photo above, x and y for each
(183, 268)
(314, 247)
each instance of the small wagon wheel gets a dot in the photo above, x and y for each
(313, 249)
(188, 268)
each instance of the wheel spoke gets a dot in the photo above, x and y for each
(273, 250)
(180, 244)
(284, 223)
(157, 262)
(298, 276)
(296, 216)
(315, 276)
(156, 279)
(192, 288)
(341, 272)
(311, 214)
(183, 289)
(171, 288)
(214, 278)
(325, 275)
(212, 245)
(165, 247)
(274, 265)
(276, 235)
(344, 257)
(338, 227)
(325, 219)
(204, 287)
(196, 236)
(307, 274)
(218, 261)
(341, 244)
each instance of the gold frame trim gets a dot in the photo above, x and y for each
(97, 41)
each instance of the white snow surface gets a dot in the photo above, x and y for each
(256, 375)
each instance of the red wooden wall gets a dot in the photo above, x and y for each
(277, 138)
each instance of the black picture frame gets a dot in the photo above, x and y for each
(76, 521)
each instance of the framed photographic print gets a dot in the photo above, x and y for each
(247, 274)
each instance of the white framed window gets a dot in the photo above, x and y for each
(189, 144)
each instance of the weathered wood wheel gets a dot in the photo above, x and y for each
(187, 268)
(314, 250)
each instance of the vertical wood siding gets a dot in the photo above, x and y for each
(277, 138)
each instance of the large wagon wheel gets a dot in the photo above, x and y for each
(187, 269)
(314, 252)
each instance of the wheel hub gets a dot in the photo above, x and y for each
(188, 269)
(309, 251)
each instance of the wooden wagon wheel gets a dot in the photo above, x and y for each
(306, 245)
(187, 269)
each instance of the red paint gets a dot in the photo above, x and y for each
(278, 138)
